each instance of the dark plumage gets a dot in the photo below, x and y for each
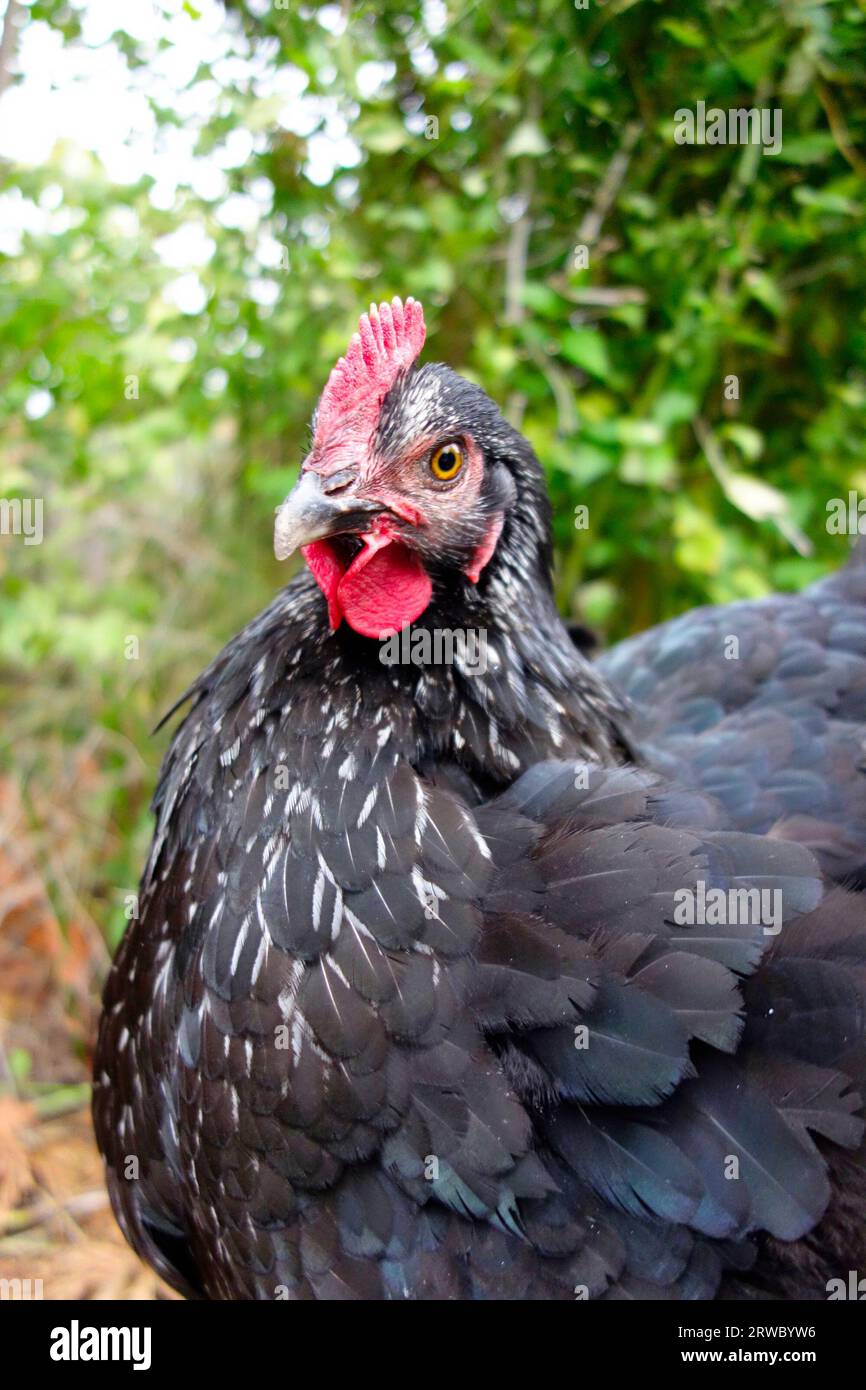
(410, 1009)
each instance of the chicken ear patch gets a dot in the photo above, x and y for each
(484, 552)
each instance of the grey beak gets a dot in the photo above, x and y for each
(318, 508)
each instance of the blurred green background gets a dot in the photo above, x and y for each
(198, 201)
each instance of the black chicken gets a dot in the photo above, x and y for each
(451, 978)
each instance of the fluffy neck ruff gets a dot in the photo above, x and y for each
(531, 696)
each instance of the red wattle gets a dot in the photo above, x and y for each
(381, 594)
(383, 590)
(327, 572)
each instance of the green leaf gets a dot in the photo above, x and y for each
(806, 149)
(638, 434)
(648, 467)
(684, 31)
(674, 407)
(381, 134)
(766, 291)
(754, 498)
(582, 461)
(526, 139)
(542, 300)
(757, 60)
(20, 1064)
(586, 348)
(749, 441)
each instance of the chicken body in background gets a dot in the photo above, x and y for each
(466, 980)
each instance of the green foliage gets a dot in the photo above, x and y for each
(555, 130)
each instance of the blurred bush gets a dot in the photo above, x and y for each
(162, 351)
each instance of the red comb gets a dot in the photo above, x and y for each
(388, 340)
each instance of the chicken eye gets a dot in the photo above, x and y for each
(447, 462)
